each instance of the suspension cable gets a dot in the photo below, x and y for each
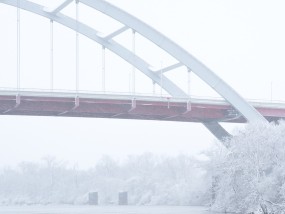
(51, 55)
(103, 68)
(18, 45)
(189, 82)
(133, 68)
(189, 89)
(161, 79)
(77, 45)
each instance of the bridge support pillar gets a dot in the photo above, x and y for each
(123, 198)
(93, 198)
(216, 129)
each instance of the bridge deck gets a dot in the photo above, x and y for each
(128, 107)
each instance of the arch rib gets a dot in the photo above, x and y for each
(110, 44)
(249, 112)
(139, 63)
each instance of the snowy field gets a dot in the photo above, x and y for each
(103, 210)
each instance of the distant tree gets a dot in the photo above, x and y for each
(148, 178)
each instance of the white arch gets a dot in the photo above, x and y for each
(251, 114)
(113, 46)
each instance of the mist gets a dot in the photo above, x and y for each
(148, 179)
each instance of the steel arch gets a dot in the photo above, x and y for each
(157, 38)
(110, 44)
(181, 55)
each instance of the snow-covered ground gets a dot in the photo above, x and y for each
(103, 210)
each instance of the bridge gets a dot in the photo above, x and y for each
(177, 105)
(140, 107)
(72, 104)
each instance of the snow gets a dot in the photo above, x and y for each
(149, 180)
(102, 210)
(249, 176)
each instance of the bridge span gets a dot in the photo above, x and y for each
(104, 105)
(209, 112)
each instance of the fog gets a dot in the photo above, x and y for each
(148, 179)
(54, 163)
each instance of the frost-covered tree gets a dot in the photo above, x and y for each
(250, 174)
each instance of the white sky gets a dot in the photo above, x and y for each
(242, 41)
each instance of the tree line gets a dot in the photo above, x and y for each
(243, 174)
(149, 180)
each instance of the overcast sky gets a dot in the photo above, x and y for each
(242, 41)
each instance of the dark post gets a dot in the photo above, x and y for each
(93, 198)
(123, 198)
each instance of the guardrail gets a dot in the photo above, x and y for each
(136, 96)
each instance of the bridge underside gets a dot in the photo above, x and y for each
(163, 110)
